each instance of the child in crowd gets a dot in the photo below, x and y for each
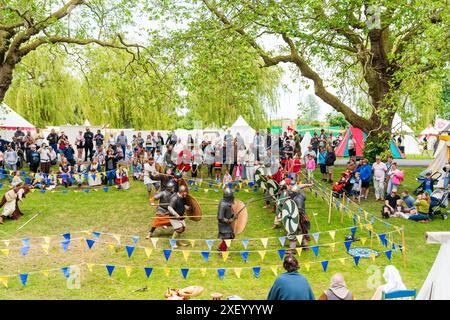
(227, 178)
(356, 188)
(122, 178)
(17, 180)
(52, 180)
(39, 181)
(310, 167)
(297, 167)
(428, 183)
(136, 170)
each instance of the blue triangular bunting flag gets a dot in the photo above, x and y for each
(66, 236)
(221, 273)
(353, 231)
(256, 271)
(315, 249)
(66, 271)
(148, 272)
(167, 253)
(26, 242)
(281, 253)
(23, 278)
(356, 258)
(24, 250)
(130, 250)
(173, 242)
(135, 239)
(244, 255)
(65, 245)
(205, 255)
(96, 234)
(90, 243)
(184, 272)
(324, 265)
(110, 269)
(389, 254)
(348, 243)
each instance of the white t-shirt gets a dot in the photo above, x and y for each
(351, 143)
(379, 171)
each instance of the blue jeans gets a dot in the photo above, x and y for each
(418, 217)
(446, 182)
(110, 175)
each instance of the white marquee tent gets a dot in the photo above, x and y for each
(10, 120)
(246, 132)
(410, 142)
(437, 284)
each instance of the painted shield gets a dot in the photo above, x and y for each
(240, 211)
(290, 217)
(281, 199)
(272, 188)
(259, 177)
(195, 212)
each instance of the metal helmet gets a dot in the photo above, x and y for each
(170, 186)
(178, 175)
(228, 194)
(295, 188)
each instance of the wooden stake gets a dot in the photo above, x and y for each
(403, 247)
(342, 209)
(330, 207)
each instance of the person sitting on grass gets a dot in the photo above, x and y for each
(227, 178)
(78, 172)
(390, 202)
(16, 180)
(338, 290)
(291, 285)
(408, 200)
(136, 169)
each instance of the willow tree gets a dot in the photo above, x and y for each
(26, 25)
(45, 90)
(128, 93)
(329, 41)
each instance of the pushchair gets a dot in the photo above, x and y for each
(421, 177)
(343, 186)
(439, 204)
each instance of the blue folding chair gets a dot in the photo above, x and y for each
(399, 294)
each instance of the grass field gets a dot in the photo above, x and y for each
(129, 213)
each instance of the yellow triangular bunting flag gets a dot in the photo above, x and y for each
(148, 251)
(203, 271)
(167, 271)
(111, 247)
(264, 242)
(332, 246)
(225, 255)
(274, 270)
(342, 260)
(186, 254)
(363, 240)
(262, 254)
(299, 251)
(192, 242)
(90, 266)
(4, 281)
(307, 265)
(238, 272)
(332, 233)
(45, 273)
(128, 270)
(5, 252)
(299, 239)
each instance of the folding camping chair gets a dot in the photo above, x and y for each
(399, 294)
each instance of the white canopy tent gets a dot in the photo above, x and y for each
(437, 284)
(246, 132)
(10, 121)
(410, 142)
(306, 141)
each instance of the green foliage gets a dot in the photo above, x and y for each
(308, 110)
(336, 119)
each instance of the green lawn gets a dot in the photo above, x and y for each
(128, 213)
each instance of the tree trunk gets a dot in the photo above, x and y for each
(6, 76)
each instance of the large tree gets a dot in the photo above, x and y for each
(372, 46)
(26, 25)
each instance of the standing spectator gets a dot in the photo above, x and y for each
(11, 159)
(140, 141)
(99, 138)
(351, 146)
(3, 144)
(315, 143)
(310, 167)
(79, 143)
(309, 152)
(150, 144)
(34, 158)
(69, 154)
(2, 160)
(396, 177)
(329, 161)
(366, 174)
(209, 158)
(338, 290)
(257, 143)
(88, 144)
(112, 142)
(356, 188)
(322, 164)
(122, 141)
(52, 139)
(379, 172)
(291, 285)
(249, 164)
(19, 135)
(197, 160)
(110, 166)
(159, 141)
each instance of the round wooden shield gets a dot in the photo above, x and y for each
(281, 199)
(241, 214)
(290, 217)
(272, 188)
(195, 212)
(159, 168)
(182, 182)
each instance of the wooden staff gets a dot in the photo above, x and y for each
(342, 209)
